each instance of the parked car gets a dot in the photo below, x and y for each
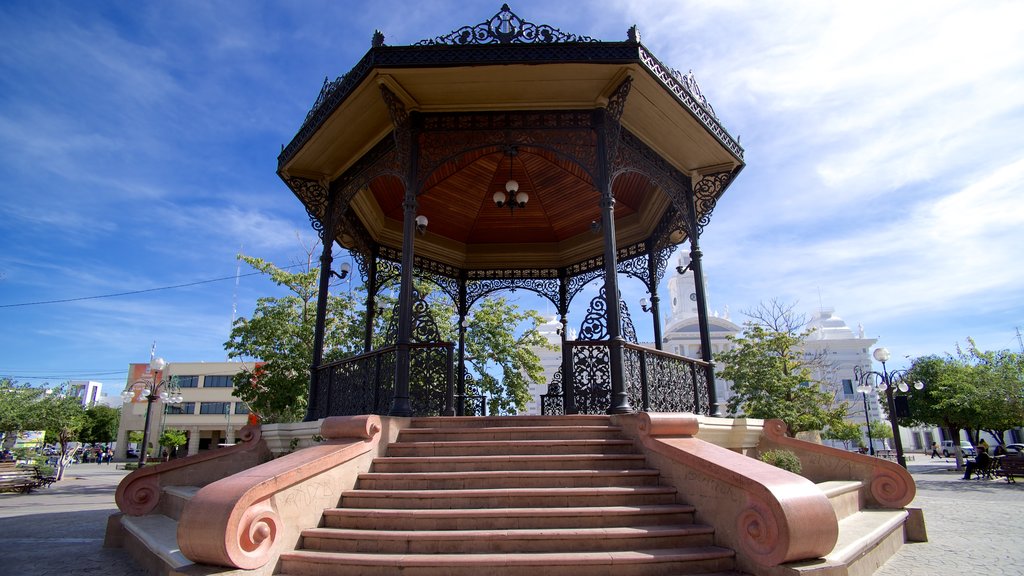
(949, 449)
(1014, 448)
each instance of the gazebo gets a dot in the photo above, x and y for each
(510, 155)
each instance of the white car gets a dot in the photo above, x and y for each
(948, 449)
(1014, 448)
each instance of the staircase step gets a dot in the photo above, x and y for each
(845, 496)
(514, 421)
(509, 497)
(508, 518)
(484, 448)
(508, 462)
(448, 433)
(659, 562)
(174, 500)
(505, 479)
(866, 540)
(157, 536)
(506, 541)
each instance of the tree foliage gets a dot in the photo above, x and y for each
(279, 335)
(101, 424)
(881, 430)
(278, 340)
(16, 403)
(172, 439)
(971, 390)
(62, 415)
(773, 377)
(843, 431)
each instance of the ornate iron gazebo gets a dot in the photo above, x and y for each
(510, 155)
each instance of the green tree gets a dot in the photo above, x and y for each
(62, 415)
(971, 390)
(101, 424)
(772, 377)
(16, 403)
(881, 430)
(843, 431)
(172, 439)
(279, 334)
(493, 346)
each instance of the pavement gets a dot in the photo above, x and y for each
(974, 526)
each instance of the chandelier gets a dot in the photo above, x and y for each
(511, 196)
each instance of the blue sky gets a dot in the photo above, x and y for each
(138, 143)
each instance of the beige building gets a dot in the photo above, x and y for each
(208, 413)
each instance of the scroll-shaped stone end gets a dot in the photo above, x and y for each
(365, 426)
(892, 490)
(254, 536)
(669, 424)
(760, 535)
(138, 494)
(774, 428)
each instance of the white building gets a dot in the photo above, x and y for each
(88, 392)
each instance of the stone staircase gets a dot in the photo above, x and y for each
(509, 496)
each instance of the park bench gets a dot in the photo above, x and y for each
(1010, 466)
(18, 479)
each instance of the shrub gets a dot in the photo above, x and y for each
(784, 459)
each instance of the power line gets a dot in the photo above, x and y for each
(79, 299)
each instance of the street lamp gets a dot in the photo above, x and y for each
(166, 390)
(864, 390)
(888, 382)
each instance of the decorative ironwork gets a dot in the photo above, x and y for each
(706, 192)
(697, 104)
(553, 403)
(451, 137)
(637, 267)
(474, 403)
(628, 330)
(591, 377)
(402, 132)
(505, 27)
(330, 96)
(544, 287)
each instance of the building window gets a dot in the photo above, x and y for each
(847, 387)
(217, 382)
(241, 408)
(187, 381)
(214, 407)
(183, 408)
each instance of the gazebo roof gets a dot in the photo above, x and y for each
(508, 73)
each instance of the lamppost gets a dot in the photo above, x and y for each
(865, 389)
(166, 390)
(887, 382)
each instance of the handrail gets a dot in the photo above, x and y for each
(889, 484)
(235, 521)
(768, 514)
(139, 492)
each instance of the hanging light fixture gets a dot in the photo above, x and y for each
(511, 196)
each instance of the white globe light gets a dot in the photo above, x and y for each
(157, 363)
(919, 385)
(903, 387)
(881, 354)
(499, 198)
(511, 187)
(522, 198)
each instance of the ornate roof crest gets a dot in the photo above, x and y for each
(505, 27)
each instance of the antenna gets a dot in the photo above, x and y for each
(1019, 341)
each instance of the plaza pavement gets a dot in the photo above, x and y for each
(974, 526)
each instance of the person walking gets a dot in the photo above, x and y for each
(935, 450)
